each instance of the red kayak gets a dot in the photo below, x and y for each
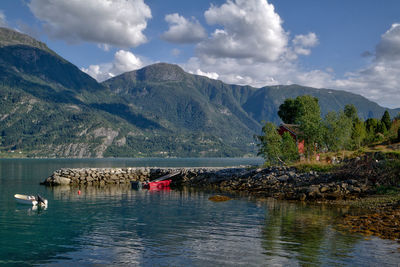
(159, 184)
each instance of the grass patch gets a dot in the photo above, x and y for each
(314, 166)
(387, 190)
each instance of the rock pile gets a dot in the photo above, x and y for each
(283, 183)
(102, 176)
(278, 182)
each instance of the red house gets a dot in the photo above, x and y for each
(293, 129)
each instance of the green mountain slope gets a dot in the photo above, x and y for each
(46, 103)
(49, 108)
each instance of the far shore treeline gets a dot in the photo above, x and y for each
(342, 130)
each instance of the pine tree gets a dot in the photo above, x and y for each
(386, 120)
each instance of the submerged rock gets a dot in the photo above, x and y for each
(219, 198)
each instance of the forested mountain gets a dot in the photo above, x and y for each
(49, 108)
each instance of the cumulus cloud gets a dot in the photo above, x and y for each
(117, 22)
(182, 30)
(124, 61)
(211, 75)
(379, 81)
(3, 22)
(303, 43)
(251, 47)
(388, 49)
(251, 29)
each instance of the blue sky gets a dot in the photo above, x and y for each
(347, 45)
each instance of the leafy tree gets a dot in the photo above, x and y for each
(309, 121)
(289, 149)
(270, 144)
(386, 120)
(337, 130)
(351, 112)
(289, 111)
(358, 131)
(358, 134)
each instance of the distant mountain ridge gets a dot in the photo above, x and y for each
(50, 108)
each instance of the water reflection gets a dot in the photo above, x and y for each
(32, 211)
(116, 226)
(305, 234)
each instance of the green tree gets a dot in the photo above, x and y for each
(337, 130)
(358, 134)
(270, 144)
(289, 111)
(309, 121)
(358, 131)
(381, 128)
(386, 120)
(351, 112)
(289, 149)
(371, 125)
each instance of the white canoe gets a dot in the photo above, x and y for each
(29, 200)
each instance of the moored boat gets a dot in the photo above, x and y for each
(159, 184)
(31, 200)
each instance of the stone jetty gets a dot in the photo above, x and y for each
(103, 176)
(278, 182)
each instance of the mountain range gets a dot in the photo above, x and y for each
(50, 108)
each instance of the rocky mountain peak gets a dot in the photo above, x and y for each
(9, 37)
(160, 72)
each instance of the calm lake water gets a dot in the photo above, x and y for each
(117, 226)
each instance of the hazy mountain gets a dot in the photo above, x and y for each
(51, 108)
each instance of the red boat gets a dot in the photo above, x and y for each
(159, 184)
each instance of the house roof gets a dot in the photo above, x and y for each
(293, 128)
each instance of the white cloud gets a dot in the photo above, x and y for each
(124, 61)
(211, 75)
(3, 22)
(251, 47)
(389, 47)
(99, 72)
(182, 30)
(117, 22)
(303, 43)
(379, 81)
(250, 29)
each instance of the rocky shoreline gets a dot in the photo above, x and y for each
(277, 182)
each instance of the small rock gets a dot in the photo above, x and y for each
(324, 189)
(283, 178)
(219, 198)
(61, 180)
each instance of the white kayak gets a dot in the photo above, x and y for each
(31, 200)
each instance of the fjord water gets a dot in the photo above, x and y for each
(115, 225)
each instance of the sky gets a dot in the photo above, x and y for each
(336, 44)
